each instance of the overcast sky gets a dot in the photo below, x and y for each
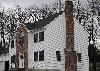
(24, 3)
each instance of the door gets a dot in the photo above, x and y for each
(21, 60)
(6, 65)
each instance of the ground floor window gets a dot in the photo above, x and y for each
(39, 56)
(13, 59)
(58, 55)
(36, 56)
(79, 57)
(6, 65)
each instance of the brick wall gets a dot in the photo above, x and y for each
(22, 49)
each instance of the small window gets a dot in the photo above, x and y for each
(21, 38)
(21, 41)
(79, 57)
(21, 56)
(13, 59)
(58, 55)
(36, 56)
(12, 44)
(41, 36)
(35, 37)
(41, 55)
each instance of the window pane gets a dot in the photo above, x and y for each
(36, 56)
(41, 55)
(35, 37)
(58, 55)
(12, 44)
(79, 57)
(41, 36)
(13, 59)
(21, 40)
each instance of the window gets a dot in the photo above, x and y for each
(41, 55)
(79, 57)
(21, 56)
(35, 37)
(12, 44)
(13, 59)
(38, 37)
(21, 38)
(58, 55)
(41, 36)
(36, 56)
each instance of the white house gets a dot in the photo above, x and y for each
(46, 44)
(47, 41)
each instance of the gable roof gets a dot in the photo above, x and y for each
(42, 22)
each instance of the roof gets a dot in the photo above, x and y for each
(4, 51)
(42, 22)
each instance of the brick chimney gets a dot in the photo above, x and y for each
(70, 54)
(22, 48)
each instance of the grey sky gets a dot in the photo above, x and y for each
(24, 3)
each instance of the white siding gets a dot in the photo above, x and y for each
(54, 39)
(81, 46)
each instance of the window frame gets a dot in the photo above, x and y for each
(36, 56)
(58, 55)
(79, 57)
(12, 45)
(13, 59)
(36, 37)
(39, 36)
(41, 55)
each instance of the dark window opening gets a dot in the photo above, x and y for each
(6, 65)
(21, 41)
(36, 56)
(79, 57)
(41, 36)
(41, 55)
(58, 55)
(13, 59)
(12, 44)
(21, 56)
(35, 37)
(0, 44)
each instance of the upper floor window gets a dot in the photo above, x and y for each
(35, 37)
(12, 44)
(21, 38)
(58, 55)
(38, 37)
(79, 57)
(41, 36)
